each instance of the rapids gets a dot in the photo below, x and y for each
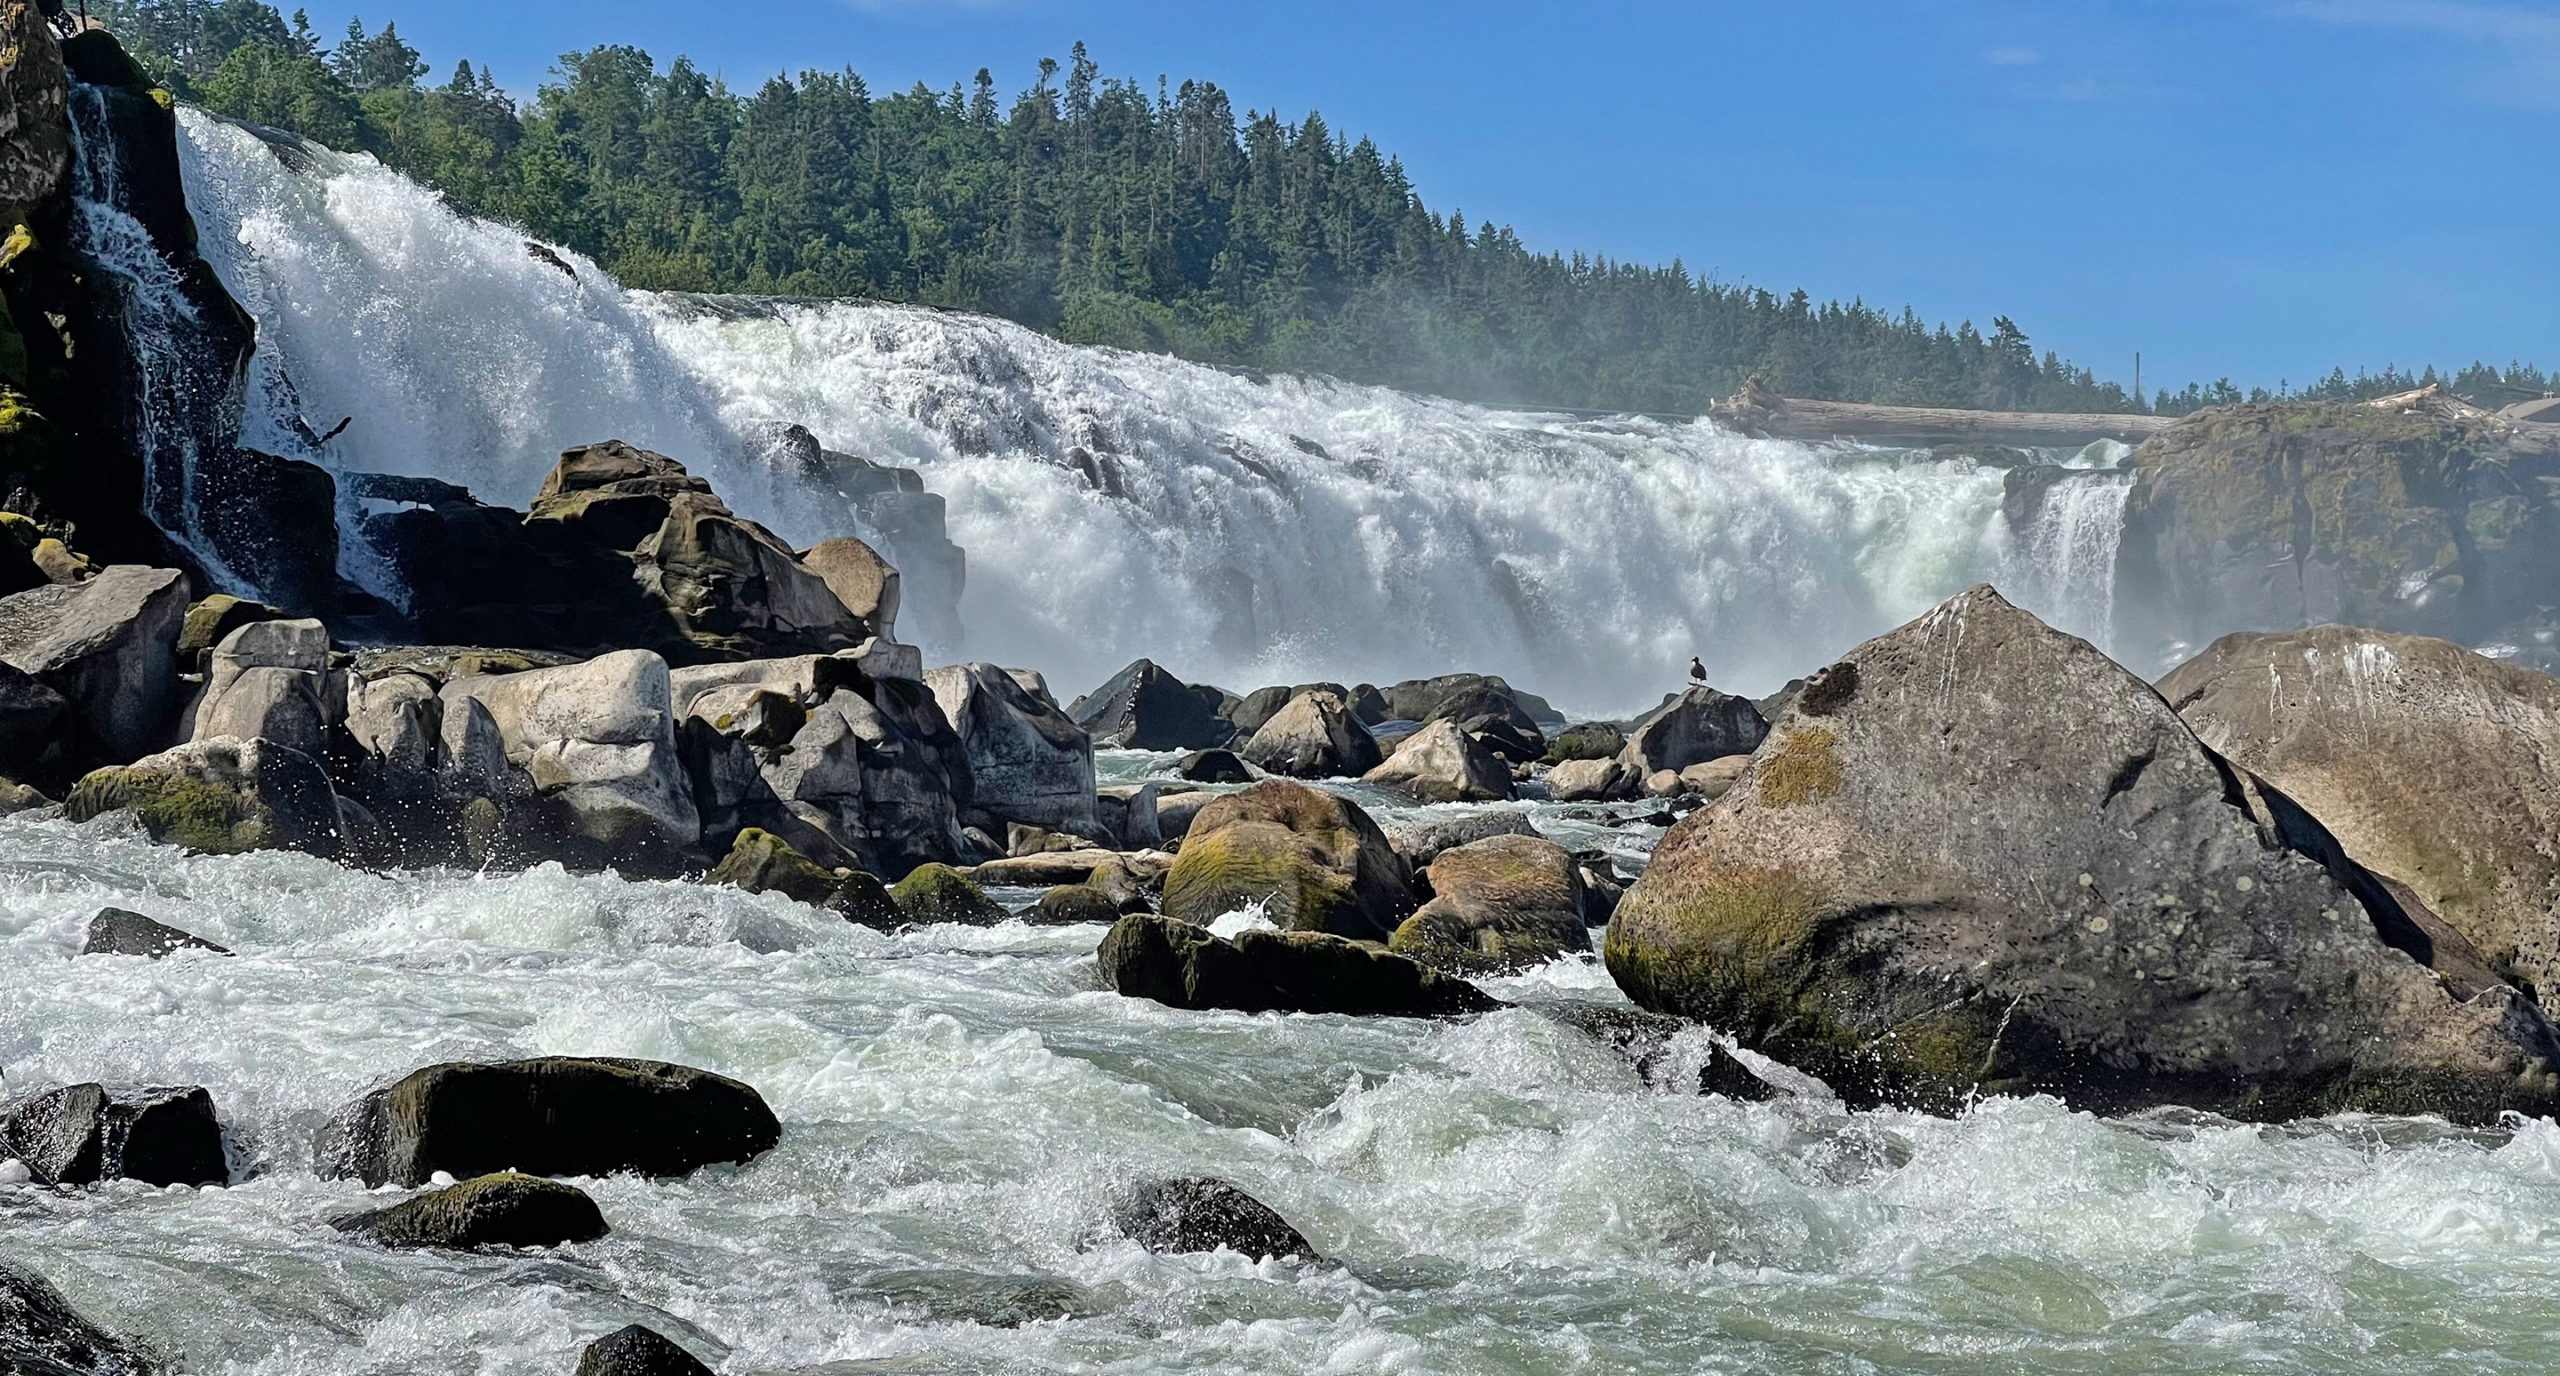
(1239, 528)
(1498, 1195)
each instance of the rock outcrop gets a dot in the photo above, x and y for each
(84, 1134)
(557, 1115)
(502, 1210)
(597, 744)
(220, 797)
(2431, 764)
(1991, 861)
(269, 681)
(1313, 737)
(861, 580)
(1197, 1213)
(1027, 761)
(109, 647)
(1507, 903)
(1183, 966)
(1314, 861)
(1700, 725)
(1145, 708)
(1443, 764)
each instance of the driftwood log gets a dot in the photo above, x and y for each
(1757, 411)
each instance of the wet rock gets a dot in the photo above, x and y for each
(1484, 708)
(1313, 737)
(1200, 1213)
(991, 1300)
(1072, 903)
(1183, 966)
(30, 715)
(2004, 865)
(1253, 711)
(219, 797)
(504, 1210)
(1502, 904)
(939, 893)
(1127, 813)
(638, 1351)
(1651, 1042)
(1145, 708)
(2431, 764)
(1314, 861)
(16, 798)
(1422, 840)
(109, 647)
(1214, 767)
(1589, 741)
(392, 726)
(42, 1335)
(1442, 764)
(84, 1134)
(1044, 869)
(861, 580)
(597, 741)
(1029, 763)
(1593, 781)
(761, 862)
(116, 932)
(553, 1116)
(1701, 725)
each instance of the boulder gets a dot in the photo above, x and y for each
(761, 862)
(42, 1335)
(1506, 903)
(1072, 903)
(1700, 725)
(1027, 761)
(1593, 781)
(35, 117)
(1487, 710)
(1421, 699)
(502, 1210)
(220, 797)
(1183, 966)
(1976, 856)
(1418, 841)
(638, 1351)
(84, 1134)
(597, 741)
(1589, 741)
(1214, 767)
(1065, 867)
(266, 681)
(210, 622)
(1715, 778)
(1314, 861)
(1202, 1214)
(109, 647)
(557, 1115)
(2431, 764)
(861, 580)
(30, 713)
(1127, 813)
(939, 893)
(116, 932)
(1145, 708)
(1255, 710)
(1175, 813)
(393, 724)
(1442, 764)
(1313, 737)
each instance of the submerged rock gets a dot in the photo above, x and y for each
(1184, 966)
(84, 1134)
(1501, 904)
(503, 1210)
(2431, 764)
(116, 932)
(557, 1115)
(1313, 737)
(1145, 708)
(1198, 1213)
(42, 1335)
(638, 1351)
(1314, 861)
(220, 797)
(1991, 861)
(939, 893)
(1442, 764)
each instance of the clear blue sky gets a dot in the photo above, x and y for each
(2257, 188)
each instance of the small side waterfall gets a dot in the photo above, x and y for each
(2067, 555)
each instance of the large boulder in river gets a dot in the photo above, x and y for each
(1145, 708)
(1594, 781)
(1202, 1214)
(42, 1335)
(1699, 725)
(761, 862)
(1314, 737)
(1418, 841)
(2416, 514)
(557, 1115)
(1505, 903)
(634, 1350)
(220, 797)
(502, 1210)
(110, 648)
(84, 1134)
(1027, 761)
(1259, 971)
(2431, 764)
(1976, 856)
(1314, 861)
(598, 743)
(1442, 764)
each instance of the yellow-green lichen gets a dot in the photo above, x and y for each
(174, 809)
(1805, 768)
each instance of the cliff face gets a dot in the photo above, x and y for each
(2424, 516)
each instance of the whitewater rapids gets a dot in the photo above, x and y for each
(1248, 529)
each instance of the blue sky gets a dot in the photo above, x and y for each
(2254, 188)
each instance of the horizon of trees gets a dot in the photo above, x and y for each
(1104, 213)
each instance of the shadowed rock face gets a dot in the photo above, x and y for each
(2431, 764)
(1999, 863)
(638, 1351)
(1145, 708)
(84, 1134)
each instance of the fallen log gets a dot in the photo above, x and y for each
(1798, 419)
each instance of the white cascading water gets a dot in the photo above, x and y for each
(2067, 554)
(1247, 529)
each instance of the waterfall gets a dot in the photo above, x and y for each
(1239, 528)
(2067, 555)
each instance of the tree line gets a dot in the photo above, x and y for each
(1102, 211)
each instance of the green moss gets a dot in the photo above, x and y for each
(1725, 946)
(939, 893)
(174, 809)
(1805, 768)
(20, 242)
(21, 531)
(1252, 862)
(761, 862)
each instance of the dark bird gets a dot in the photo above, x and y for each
(1697, 670)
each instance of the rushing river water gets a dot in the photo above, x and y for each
(1500, 1194)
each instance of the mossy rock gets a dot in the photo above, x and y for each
(504, 1210)
(939, 893)
(174, 810)
(1591, 741)
(761, 862)
(212, 621)
(1259, 862)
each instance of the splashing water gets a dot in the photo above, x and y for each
(2068, 553)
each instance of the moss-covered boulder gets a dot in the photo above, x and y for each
(1313, 860)
(504, 1210)
(1261, 971)
(1992, 861)
(761, 862)
(210, 622)
(2431, 764)
(220, 797)
(1588, 741)
(939, 893)
(1500, 904)
(1068, 904)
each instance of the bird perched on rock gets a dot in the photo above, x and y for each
(1697, 670)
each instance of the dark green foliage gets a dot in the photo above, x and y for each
(1103, 212)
